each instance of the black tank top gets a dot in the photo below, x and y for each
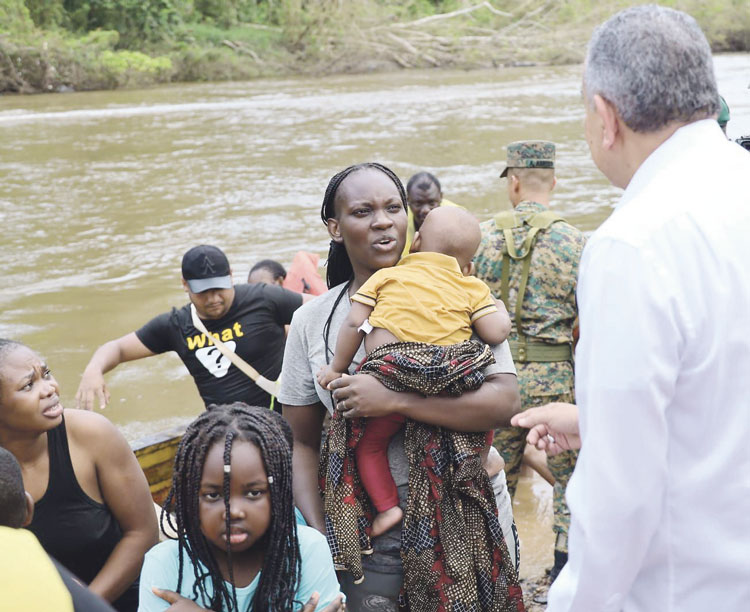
(73, 528)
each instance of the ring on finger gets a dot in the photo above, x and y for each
(342, 403)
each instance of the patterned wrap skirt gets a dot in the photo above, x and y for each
(452, 547)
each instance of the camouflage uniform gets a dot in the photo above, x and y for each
(547, 316)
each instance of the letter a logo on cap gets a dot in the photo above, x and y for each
(208, 267)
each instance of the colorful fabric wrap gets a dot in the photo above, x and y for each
(452, 547)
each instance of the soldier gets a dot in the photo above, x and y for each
(533, 253)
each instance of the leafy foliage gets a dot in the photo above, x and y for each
(51, 44)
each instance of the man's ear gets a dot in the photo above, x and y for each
(185, 286)
(468, 269)
(415, 243)
(29, 509)
(334, 231)
(514, 183)
(610, 121)
(554, 182)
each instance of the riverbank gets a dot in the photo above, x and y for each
(46, 47)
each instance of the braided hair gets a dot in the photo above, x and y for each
(339, 266)
(268, 431)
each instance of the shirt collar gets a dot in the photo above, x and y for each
(529, 206)
(667, 153)
(433, 259)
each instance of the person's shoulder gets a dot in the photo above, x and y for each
(173, 316)
(84, 423)
(319, 304)
(95, 433)
(565, 228)
(248, 291)
(473, 283)
(561, 237)
(164, 552)
(271, 295)
(311, 541)
(488, 227)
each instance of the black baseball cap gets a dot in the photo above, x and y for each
(206, 267)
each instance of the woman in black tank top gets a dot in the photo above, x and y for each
(93, 512)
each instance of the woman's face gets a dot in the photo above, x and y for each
(29, 394)
(370, 221)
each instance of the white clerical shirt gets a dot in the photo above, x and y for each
(660, 497)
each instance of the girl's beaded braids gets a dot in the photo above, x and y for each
(267, 430)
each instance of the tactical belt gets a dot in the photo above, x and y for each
(526, 349)
(539, 351)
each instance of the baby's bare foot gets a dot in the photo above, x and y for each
(385, 520)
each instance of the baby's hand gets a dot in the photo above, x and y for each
(326, 375)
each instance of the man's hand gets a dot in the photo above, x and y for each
(327, 375)
(108, 356)
(362, 396)
(179, 603)
(337, 605)
(552, 428)
(92, 385)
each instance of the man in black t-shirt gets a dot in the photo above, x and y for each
(248, 319)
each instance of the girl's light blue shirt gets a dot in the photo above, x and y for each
(161, 565)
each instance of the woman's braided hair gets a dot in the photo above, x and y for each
(339, 266)
(272, 435)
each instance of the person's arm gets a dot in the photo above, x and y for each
(347, 344)
(627, 365)
(489, 407)
(492, 328)
(83, 598)
(177, 603)
(125, 492)
(159, 575)
(108, 356)
(312, 604)
(317, 573)
(306, 423)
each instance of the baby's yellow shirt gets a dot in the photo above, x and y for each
(426, 298)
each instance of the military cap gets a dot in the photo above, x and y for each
(530, 154)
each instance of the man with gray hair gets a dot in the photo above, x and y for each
(660, 497)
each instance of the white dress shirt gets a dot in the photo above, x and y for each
(660, 497)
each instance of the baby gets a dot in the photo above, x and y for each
(430, 298)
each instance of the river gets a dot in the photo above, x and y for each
(101, 193)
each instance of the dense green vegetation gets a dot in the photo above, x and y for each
(54, 45)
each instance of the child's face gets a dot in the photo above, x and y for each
(249, 498)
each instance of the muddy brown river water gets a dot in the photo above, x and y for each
(101, 193)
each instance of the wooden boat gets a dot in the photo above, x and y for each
(156, 455)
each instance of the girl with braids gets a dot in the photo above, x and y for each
(364, 209)
(238, 547)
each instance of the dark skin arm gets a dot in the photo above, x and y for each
(108, 356)
(489, 407)
(124, 490)
(347, 344)
(183, 604)
(307, 423)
